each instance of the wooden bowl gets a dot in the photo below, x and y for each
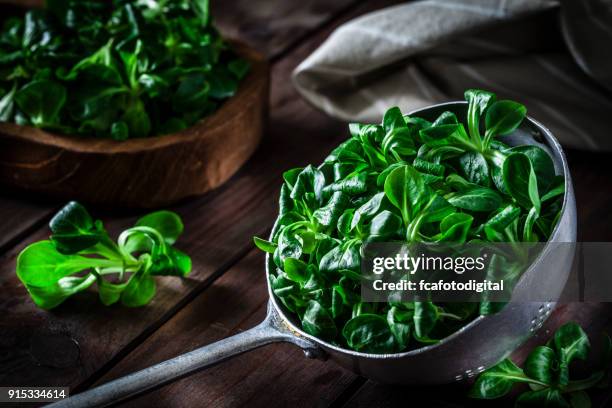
(147, 172)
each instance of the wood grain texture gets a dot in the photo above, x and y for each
(18, 218)
(591, 174)
(273, 26)
(147, 172)
(275, 375)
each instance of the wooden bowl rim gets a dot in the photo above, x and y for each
(209, 123)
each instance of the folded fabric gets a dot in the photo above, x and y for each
(553, 56)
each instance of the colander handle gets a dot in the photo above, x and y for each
(271, 330)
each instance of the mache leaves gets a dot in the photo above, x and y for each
(406, 180)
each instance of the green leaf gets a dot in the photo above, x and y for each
(399, 323)
(222, 85)
(318, 322)
(369, 333)
(264, 245)
(289, 245)
(458, 183)
(137, 119)
(502, 219)
(344, 222)
(110, 293)
(398, 140)
(572, 341)
(309, 180)
(338, 306)
(428, 167)
(120, 131)
(542, 165)
(42, 269)
(557, 189)
(541, 364)
(475, 168)
(167, 223)
(80, 245)
(139, 290)
(385, 225)
(497, 381)
(42, 101)
(478, 102)
(52, 295)
(393, 119)
(480, 99)
(426, 316)
(341, 257)
(532, 217)
(202, 9)
(503, 117)
(500, 268)
(406, 190)
(7, 104)
(368, 210)
(74, 230)
(521, 180)
(170, 261)
(445, 135)
(480, 199)
(546, 398)
(328, 215)
(296, 270)
(455, 227)
(446, 118)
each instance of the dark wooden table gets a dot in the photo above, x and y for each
(82, 343)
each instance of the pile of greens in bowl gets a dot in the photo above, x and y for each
(406, 180)
(119, 69)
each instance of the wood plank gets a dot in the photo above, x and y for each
(235, 303)
(20, 217)
(219, 230)
(273, 26)
(591, 174)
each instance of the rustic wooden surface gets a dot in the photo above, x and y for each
(81, 343)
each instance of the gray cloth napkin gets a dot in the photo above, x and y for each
(555, 56)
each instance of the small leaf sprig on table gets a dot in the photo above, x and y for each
(116, 69)
(81, 253)
(547, 372)
(407, 180)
